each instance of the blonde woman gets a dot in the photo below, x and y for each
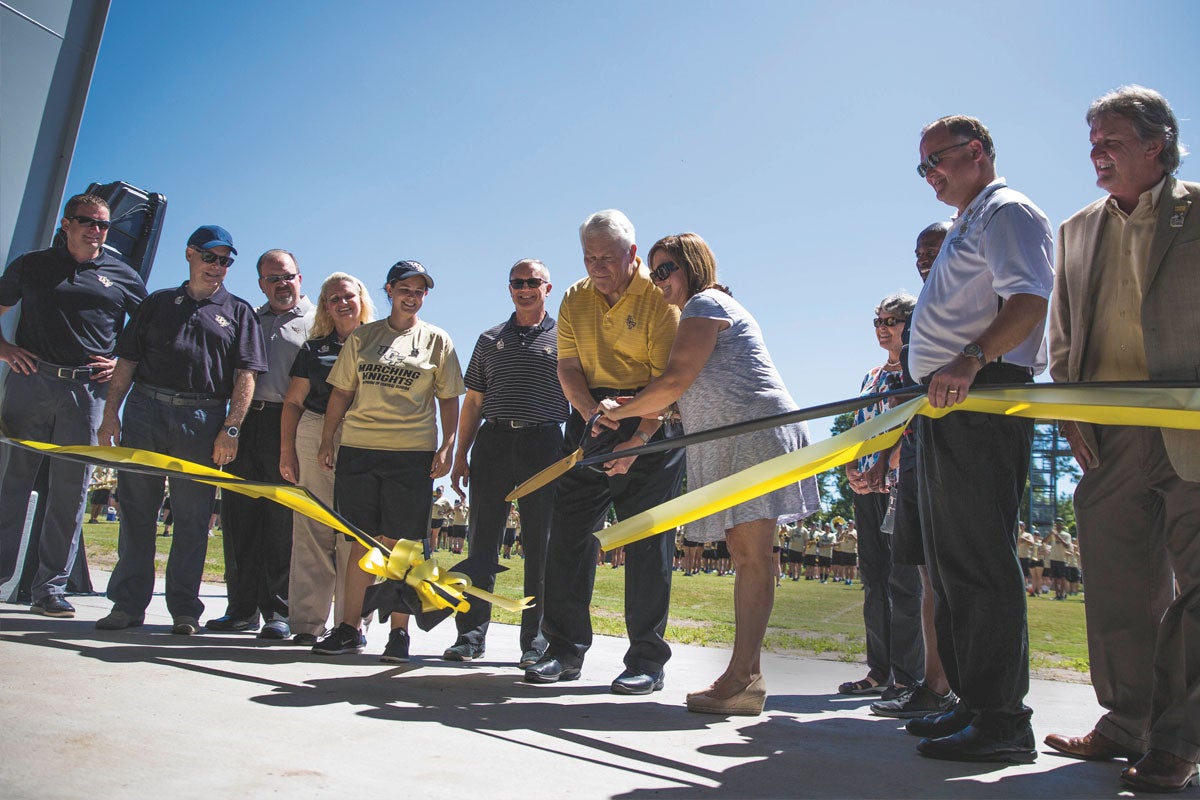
(319, 553)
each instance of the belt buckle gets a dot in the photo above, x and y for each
(66, 373)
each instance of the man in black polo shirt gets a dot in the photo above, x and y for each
(258, 532)
(188, 353)
(74, 300)
(512, 385)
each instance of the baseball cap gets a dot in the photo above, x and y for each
(207, 237)
(406, 269)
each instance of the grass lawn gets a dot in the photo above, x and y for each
(809, 617)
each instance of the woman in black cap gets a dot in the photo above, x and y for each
(392, 381)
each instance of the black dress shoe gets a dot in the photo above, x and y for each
(54, 605)
(974, 743)
(634, 682)
(551, 670)
(935, 726)
(228, 623)
(1160, 771)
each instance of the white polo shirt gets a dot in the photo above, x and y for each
(1000, 246)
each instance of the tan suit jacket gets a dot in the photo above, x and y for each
(1170, 303)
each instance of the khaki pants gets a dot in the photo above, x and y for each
(320, 554)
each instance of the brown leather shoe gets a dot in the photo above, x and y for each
(1094, 746)
(1160, 771)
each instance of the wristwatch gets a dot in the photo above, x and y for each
(233, 431)
(645, 437)
(975, 351)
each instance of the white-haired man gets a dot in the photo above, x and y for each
(615, 333)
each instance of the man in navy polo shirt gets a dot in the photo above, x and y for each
(74, 300)
(257, 531)
(513, 389)
(188, 354)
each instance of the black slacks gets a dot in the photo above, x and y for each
(972, 469)
(502, 458)
(257, 532)
(584, 496)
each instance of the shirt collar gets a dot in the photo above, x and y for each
(301, 309)
(983, 196)
(1150, 196)
(546, 324)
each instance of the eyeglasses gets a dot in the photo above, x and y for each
(525, 283)
(287, 276)
(891, 322)
(663, 271)
(936, 158)
(92, 222)
(213, 258)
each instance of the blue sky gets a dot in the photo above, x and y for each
(468, 135)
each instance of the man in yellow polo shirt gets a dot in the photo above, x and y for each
(615, 333)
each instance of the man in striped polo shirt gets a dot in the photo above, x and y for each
(615, 333)
(513, 389)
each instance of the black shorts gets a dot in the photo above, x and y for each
(795, 557)
(1058, 569)
(1025, 562)
(458, 532)
(722, 549)
(824, 561)
(384, 492)
(810, 560)
(436, 523)
(690, 543)
(1073, 574)
(841, 559)
(510, 537)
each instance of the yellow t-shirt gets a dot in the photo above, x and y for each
(397, 378)
(621, 347)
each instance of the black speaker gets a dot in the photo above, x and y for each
(137, 220)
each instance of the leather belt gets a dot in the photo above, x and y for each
(66, 373)
(518, 424)
(172, 398)
(260, 405)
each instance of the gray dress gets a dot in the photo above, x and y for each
(739, 382)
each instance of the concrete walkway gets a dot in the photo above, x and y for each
(143, 713)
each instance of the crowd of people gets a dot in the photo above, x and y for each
(369, 413)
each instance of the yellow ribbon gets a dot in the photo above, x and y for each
(1158, 408)
(405, 561)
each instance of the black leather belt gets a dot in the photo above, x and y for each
(66, 373)
(518, 424)
(172, 398)
(259, 405)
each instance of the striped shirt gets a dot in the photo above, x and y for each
(621, 347)
(515, 368)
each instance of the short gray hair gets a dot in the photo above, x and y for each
(1151, 116)
(534, 263)
(900, 304)
(611, 224)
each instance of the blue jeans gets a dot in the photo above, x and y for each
(44, 408)
(186, 433)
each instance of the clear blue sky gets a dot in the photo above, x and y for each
(467, 135)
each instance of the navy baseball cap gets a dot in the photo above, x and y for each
(406, 269)
(207, 237)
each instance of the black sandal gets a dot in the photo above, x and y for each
(860, 687)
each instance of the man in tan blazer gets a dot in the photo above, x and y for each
(1127, 307)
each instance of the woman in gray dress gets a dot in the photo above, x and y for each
(720, 373)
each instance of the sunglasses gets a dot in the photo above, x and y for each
(213, 258)
(525, 283)
(287, 276)
(936, 158)
(92, 222)
(891, 322)
(663, 271)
